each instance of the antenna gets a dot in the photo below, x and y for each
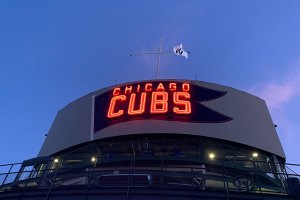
(154, 53)
(158, 61)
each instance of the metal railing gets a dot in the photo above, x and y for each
(242, 176)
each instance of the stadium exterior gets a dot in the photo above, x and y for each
(157, 139)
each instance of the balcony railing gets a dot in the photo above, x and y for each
(241, 176)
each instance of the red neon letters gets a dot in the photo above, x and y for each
(141, 110)
(159, 102)
(160, 98)
(111, 112)
(181, 102)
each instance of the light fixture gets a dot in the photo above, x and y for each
(255, 155)
(211, 156)
(93, 159)
(56, 160)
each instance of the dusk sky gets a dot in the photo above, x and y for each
(53, 52)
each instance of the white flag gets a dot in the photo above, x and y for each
(178, 50)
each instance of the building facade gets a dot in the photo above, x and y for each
(158, 139)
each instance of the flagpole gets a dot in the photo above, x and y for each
(158, 61)
(178, 50)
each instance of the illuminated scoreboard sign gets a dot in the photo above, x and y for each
(157, 100)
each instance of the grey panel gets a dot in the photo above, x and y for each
(72, 126)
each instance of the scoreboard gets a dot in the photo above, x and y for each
(160, 100)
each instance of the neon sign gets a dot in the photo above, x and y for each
(157, 100)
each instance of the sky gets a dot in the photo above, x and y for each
(53, 52)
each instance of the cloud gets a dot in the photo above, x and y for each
(281, 95)
(274, 94)
(278, 93)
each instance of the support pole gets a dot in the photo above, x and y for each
(158, 61)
